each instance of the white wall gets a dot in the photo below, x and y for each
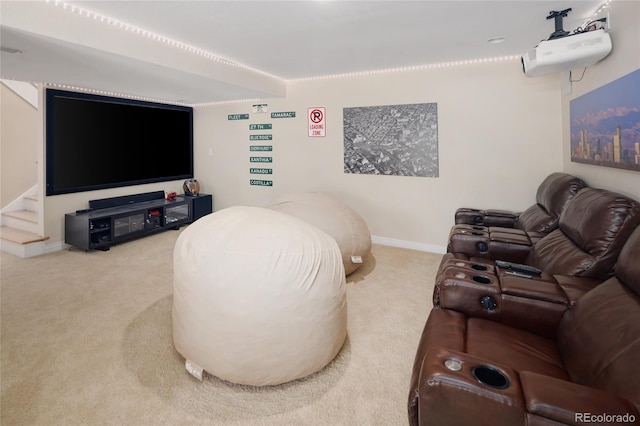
(624, 17)
(499, 137)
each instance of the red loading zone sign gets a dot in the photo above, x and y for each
(316, 118)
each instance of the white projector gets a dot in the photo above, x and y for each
(566, 53)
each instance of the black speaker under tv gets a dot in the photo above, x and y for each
(98, 142)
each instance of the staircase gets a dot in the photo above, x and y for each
(21, 223)
(19, 233)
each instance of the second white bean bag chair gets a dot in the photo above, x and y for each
(335, 218)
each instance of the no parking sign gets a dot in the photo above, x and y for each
(316, 118)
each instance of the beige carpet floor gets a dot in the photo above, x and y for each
(85, 339)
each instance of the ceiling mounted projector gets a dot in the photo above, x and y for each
(564, 51)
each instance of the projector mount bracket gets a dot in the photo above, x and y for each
(557, 16)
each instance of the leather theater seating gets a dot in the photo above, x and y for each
(548, 339)
(510, 235)
(551, 362)
(591, 231)
(552, 196)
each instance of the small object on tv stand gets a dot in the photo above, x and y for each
(171, 195)
(191, 187)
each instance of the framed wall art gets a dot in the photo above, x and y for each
(605, 125)
(395, 140)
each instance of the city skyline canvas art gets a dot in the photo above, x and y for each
(605, 125)
(395, 140)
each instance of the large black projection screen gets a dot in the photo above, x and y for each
(97, 142)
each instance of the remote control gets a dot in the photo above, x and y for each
(518, 274)
(518, 267)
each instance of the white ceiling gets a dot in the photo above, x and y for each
(255, 47)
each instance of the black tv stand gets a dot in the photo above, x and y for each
(114, 220)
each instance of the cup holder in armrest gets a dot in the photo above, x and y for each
(490, 376)
(480, 279)
(479, 267)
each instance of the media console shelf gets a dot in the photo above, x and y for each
(111, 221)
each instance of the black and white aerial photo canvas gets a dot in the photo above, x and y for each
(397, 140)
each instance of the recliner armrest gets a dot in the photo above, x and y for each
(571, 403)
(455, 397)
(494, 242)
(449, 393)
(535, 304)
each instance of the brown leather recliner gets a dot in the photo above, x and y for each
(591, 231)
(552, 196)
(471, 370)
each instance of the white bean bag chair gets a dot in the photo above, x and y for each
(335, 218)
(259, 296)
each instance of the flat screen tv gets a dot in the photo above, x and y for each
(98, 142)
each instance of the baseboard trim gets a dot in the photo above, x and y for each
(60, 245)
(412, 245)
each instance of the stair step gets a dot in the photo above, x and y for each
(31, 197)
(30, 204)
(27, 215)
(19, 236)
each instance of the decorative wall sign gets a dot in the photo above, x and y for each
(605, 125)
(284, 114)
(238, 117)
(261, 159)
(256, 171)
(398, 140)
(261, 148)
(265, 126)
(260, 137)
(316, 118)
(258, 149)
